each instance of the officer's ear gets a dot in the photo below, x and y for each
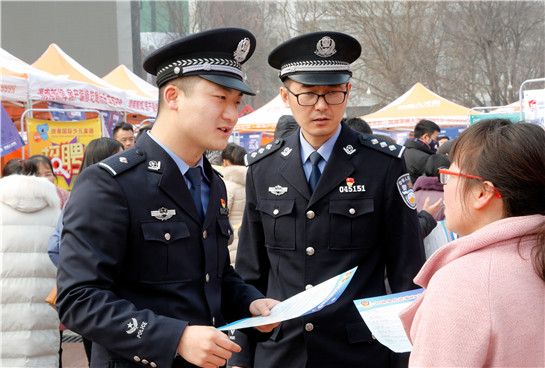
(284, 95)
(171, 93)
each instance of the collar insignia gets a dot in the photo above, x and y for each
(286, 152)
(349, 181)
(325, 47)
(163, 214)
(349, 149)
(278, 190)
(154, 165)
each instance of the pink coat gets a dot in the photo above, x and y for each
(484, 304)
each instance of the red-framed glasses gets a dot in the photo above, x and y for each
(444, 177)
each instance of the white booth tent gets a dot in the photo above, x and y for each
(264, 118)
(77, 86)
(140, 94)
(15, 75)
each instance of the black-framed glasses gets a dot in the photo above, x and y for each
(445, 175)
(310, 98)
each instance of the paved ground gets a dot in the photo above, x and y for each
(73, 354)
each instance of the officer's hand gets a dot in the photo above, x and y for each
(206, 346)
(263, 307)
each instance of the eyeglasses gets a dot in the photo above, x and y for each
(310, 98)
(445, 176)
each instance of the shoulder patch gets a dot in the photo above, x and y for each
(122, 161)
(382, 145)
(263, 151)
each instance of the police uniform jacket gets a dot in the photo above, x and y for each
(136, 263)
(362, 213)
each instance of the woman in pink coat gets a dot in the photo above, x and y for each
(485, 292)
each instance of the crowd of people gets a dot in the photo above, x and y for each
(158, 245)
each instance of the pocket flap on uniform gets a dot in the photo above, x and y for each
(276, 208)
(351, 207)
(166, 231)
(359, 332)
(225, 227)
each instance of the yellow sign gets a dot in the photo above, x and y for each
(64, 143)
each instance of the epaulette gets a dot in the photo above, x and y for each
(382, 145)
(122, 161)
(263, 151)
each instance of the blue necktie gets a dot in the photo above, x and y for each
(315, 173)
(194, 176)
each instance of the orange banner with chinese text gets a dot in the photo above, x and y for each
(64, 143)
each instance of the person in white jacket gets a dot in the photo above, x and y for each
(29, 330)
(234, 176)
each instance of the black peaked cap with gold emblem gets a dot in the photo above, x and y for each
(215, 55)
(318, 58)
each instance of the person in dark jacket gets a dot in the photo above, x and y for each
(418, 149)
(144, 267)
(318, 203)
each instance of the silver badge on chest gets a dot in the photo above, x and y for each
(163, 214)
(278, 190)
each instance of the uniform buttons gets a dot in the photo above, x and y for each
(310, 215)
(373, 337)
(310, 251)
(204, 234)
(167, 236)
(229, 231)
(207, 278)
(213, 321)
(352, 211)
(308, 286)
(139, 153)
(153, 365)
(144, 361)
(309, 327)
(275, 212)
(136, 358)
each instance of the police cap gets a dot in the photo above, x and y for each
(215, 55)
(318, 58)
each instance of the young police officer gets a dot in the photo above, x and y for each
(320, 202)
(144, 267)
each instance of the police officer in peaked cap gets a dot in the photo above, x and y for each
(144, 268)
(320, 202)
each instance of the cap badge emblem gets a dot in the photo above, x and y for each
(349, 149)
(242, 50)
(325, 47)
